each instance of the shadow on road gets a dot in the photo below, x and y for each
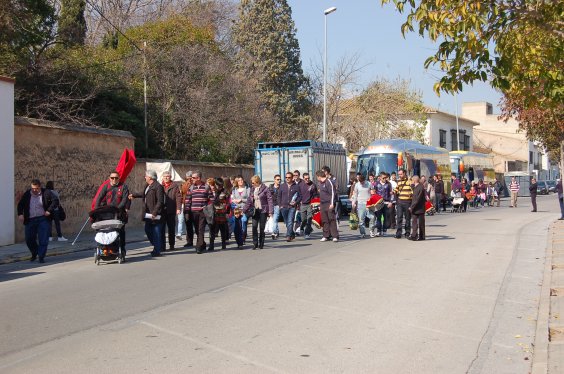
(13, 276)
(439, 237)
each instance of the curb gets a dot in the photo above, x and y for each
(23, 256)
(540, 353)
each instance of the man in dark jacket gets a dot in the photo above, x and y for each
(439, 193)
(533, 192)
(417, 210)
(115, 194)
(288, 198)
(274, 191)
(173, 204)
(308, 191)
(34, 210)
(327, 198)
(153, 199)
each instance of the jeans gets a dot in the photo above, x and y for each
(402, 210)
(259, 223)
(288, 215)
(37, 228)
(363, 213)
(181, 226)
(154, 232)
(382, 226)
(57, 220)
(275, 217)
(306, 214)
(561, 201)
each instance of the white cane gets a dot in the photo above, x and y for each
(80, 232)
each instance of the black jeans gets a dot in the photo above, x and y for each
(189, 219)
(215, 229)
(402, 210)
(170, 222)
(259, 223)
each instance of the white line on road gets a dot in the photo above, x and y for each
(213, 347)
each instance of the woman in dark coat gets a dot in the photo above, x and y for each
(259, 207)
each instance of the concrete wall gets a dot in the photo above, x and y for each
(7, 215)
(443, 121)
(78, 159)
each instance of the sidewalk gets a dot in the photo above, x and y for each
(20, 252)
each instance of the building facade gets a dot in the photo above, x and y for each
(7, 218)
(510, 147)
(442, 131)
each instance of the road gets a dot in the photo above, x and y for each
(463, 301)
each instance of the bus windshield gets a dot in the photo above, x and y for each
(454, 165)
(376, 163)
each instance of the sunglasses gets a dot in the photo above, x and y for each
(114, 177)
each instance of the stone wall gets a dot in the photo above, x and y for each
(78, 159)
(75, 158)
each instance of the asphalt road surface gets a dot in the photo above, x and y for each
(463, 301)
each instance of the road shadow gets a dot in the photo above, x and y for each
(439, 237)
(12, 276)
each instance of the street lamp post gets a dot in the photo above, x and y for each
(326, 13)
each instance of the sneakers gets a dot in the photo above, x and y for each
(362, 236)
(62, 239)
(323, 239)
(378, 234)
(372, 233)
(335, 240)
(50, 239)
(307, 236)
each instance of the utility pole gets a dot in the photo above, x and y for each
(145, 97)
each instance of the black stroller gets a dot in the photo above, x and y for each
(107, 221)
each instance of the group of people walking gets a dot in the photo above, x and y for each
(225, 205)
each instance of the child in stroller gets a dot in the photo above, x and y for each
(457, 202)
(108, 222)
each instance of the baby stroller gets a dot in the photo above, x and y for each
(107, 222)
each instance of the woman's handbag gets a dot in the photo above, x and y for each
(209, 213)
(251, 212)
(62, 213)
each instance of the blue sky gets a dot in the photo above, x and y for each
(373, 31)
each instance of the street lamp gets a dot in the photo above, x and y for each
(326, 13)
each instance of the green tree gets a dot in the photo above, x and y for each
(265, 34)
(72, 24)
(26, 31)
(516, 45)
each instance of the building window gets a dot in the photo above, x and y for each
(442, 138)
(461, 137)
(466, 142)
(453, 140)
(489, 109)
(531, 161)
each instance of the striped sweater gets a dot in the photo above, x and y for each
(403, 191)
(199, 197)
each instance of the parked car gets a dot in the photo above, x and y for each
(542, 188)
(346, 204)
(551, 186)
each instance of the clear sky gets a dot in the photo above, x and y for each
(373, 31)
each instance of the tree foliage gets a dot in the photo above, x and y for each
(383, 110)
(516, 45)
(72, 24)
(269, 50)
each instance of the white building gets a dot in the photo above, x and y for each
(441, 131)
(7, 206)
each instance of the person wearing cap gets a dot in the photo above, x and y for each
(153, 196)
(173, 207)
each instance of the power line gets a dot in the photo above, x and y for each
(111, 24)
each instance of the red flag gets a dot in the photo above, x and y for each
(124, 167)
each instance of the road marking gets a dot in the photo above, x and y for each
(356, 275)
(213, 347)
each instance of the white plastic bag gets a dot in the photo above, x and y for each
(269, 228)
